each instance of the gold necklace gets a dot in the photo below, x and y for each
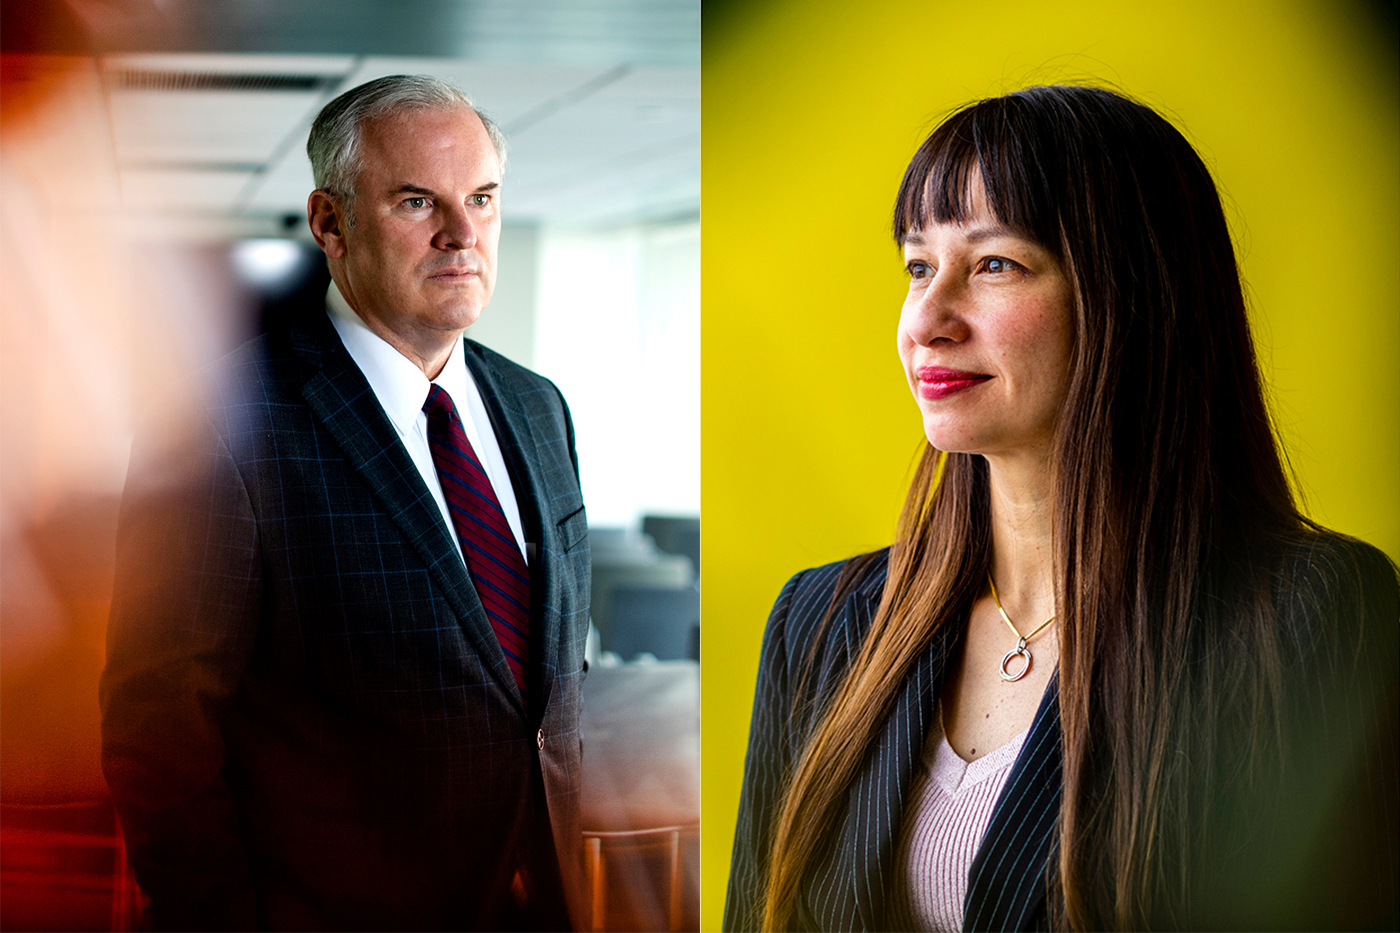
(1021, 640)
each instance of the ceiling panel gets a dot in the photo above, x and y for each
(506, 90)
(587, 144)
(215, 63)
(583, 32)
(659, 189)
(637, 139)
(183, 147)
(284, 188)
(213, 127)
(181, 190)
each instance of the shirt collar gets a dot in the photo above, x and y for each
(397, 381)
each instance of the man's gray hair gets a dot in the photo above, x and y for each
(335, 146)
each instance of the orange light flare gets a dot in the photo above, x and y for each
(103, 322)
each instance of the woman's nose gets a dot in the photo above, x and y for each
(938, 312)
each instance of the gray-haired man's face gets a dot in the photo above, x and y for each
(421, 255)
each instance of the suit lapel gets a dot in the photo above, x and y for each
(1007, 884)
(515, 433)
(876, 803)
(342, 399)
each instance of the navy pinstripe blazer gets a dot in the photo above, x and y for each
(1322, 853)
(308, 722)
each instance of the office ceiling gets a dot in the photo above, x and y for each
(575, 32)
(210, 101)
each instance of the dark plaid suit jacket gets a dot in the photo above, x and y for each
(1319, 850)
(308, 722)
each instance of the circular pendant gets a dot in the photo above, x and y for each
(1021, 650)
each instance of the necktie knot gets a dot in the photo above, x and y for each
(439, 403)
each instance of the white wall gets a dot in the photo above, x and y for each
(507, 325)
(618, 330)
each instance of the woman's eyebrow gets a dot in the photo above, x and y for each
(975, 235)
(978, 234)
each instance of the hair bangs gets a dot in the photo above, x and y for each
(988, 143)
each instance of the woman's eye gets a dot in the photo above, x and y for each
(415, 204)
(917, 269)
(997, 265)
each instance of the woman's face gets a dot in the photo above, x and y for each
(985, 335)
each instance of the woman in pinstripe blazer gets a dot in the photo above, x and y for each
(1100, 576)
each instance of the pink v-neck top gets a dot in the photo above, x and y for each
(944, 821)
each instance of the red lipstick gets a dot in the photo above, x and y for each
(937, 382)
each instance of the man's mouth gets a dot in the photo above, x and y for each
(454, 273)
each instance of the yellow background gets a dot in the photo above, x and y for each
(811, 110)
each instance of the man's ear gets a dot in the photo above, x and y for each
(324, 215)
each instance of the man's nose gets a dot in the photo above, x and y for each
(457, 230)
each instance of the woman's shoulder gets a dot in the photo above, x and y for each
(1339, 593)
(1326, 571)
(1325, 562)
(810, 592)
(821, 614)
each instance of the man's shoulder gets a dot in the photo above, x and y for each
(265, 359)
(510, 381)
(502, 367)
(255, 391)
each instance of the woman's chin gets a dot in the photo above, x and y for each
(953, 439)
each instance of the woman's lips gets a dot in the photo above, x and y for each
(937, 382)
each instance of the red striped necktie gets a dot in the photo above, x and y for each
(493, 557)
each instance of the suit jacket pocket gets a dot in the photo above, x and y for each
(572, 530)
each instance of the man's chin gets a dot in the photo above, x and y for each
(456, 309)
(456, 318)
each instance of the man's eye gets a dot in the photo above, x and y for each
(415, 204)
(917, 269)
(481, 200)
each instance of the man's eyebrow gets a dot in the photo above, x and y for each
(407, 188)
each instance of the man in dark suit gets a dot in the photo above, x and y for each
(347, 639)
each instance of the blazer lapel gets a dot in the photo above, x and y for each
(1007, 884)
(342, 399)
(515, 431)
(876, 803)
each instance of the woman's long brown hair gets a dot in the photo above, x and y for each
(1172, 510)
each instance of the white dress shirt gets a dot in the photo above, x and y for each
(401, 389)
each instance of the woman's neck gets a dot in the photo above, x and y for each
(1023, 524)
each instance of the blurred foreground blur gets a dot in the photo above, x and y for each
(151, 182)
(87, 347)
